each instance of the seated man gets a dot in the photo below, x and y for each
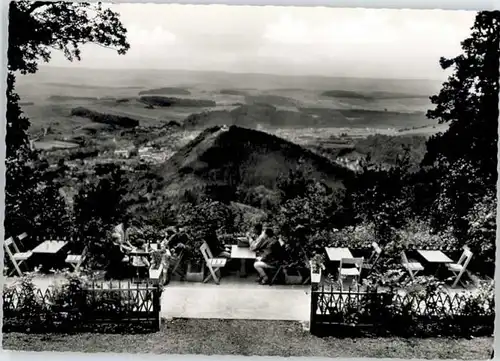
(272, 254)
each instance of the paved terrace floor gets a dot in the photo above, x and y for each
(236, 299)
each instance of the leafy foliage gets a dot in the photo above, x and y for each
(481, 233)
(468, 101)
(77, 305)
(425, 312)
(200, 220)
(17, 125)
(98, 205)
(33, 202)
(308, 212)
(36, 28)
(386, 150)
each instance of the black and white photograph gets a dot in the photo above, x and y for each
(250, 180)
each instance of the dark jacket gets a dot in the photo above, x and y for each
(274, 252)
(178, 238)
(214, 244)
(264, 245)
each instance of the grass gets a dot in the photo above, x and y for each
(247, 337)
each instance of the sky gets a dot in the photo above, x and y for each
(284, 40)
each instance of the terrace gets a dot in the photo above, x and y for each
(234, 294)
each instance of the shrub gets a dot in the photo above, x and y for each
(424, 312)
(73, 306)
(199, 220)
(24, 306)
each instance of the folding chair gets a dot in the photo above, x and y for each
(354, 271)
(77, 260)
(459, 268)
(369, 265)
(214, 264)
(21, 239)
(17, 258)
(412, 267)
(278, 270)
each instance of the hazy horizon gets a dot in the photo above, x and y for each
(235, 72)
(283, 40)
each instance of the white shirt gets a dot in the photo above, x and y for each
(255, 244)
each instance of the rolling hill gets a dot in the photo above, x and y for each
(235, 157)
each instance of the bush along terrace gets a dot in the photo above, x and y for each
(81, 306)
(426, 312)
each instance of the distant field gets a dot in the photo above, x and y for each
(310, 104)
(55, 144)
(371, 96)
(165, 91)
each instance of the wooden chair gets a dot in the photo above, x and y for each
(77, 260)
(355, 271)
(16, 257)
(369, 265)
(412, 267)
(214, 264)
(459, 268)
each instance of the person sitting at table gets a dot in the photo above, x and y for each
(167, 234)
(216, 247)
(272, 254)
(140, 262)
(178, 239)
(178, 244)
(166, 255)
(121, 234)
(254, 234)
(260, 243)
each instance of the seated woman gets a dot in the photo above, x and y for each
(254, 234)
(216, 247)
(176, 245)
(271, 255)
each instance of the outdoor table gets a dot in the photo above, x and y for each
(435, 257)
(48, 250)
(335, 254)
(242, 253)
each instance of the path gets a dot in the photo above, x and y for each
(235, 301)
